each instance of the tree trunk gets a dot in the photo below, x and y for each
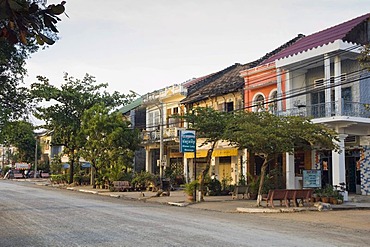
(71, 170)
(72, 159)
(205, 171)
(92, 177)
(262, 180)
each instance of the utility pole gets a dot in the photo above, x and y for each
(35, 158)
(3, 154)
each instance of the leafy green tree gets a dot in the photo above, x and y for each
(364, 57)
(24, 26)
(210, 125)
(66, 107)
(13, 98)
(24, 21)
(267, 135)
(20, 134)
(110, 143)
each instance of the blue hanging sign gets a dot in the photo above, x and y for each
(187, 141)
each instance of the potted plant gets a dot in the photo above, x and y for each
(190, 188)
(317, 194)
(253, 187)
(327, 193)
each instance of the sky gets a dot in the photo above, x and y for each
(146, 45)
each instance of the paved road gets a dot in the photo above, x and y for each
(42, 216)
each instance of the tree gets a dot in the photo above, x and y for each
(110, 143)
(210, 125)
(267, 135)
(24, 21)
(69, 102)
(364, 57)
(13, 99)
(20, 135)
(24, 26)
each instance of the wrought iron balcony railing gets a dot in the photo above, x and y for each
(154, 135)
(322, 110)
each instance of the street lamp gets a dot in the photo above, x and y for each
(159, 105)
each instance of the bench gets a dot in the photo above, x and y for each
(286, 196)
(300, 194)
(122, 186)
(17, 175)
(278, 194)
(241, 190)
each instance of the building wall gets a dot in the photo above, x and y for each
(261, 80)
(365, 171)
(347, 67)
(364, 87)
(218, 102)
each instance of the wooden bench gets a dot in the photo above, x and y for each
(278, 194)
(300, 194)
(286, 196)
(17, 175)
(122, 186)
(241, 190)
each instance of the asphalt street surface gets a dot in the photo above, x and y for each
(33, 215)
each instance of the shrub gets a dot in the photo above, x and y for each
(189, 188)
(143, 179)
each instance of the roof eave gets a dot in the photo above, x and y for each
(335, 46)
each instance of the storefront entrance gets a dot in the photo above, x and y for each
(353, 179)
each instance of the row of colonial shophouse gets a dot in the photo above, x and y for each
(316, 76)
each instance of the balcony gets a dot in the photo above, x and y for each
(155, 135)
(323, 110)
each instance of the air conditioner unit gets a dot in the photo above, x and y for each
(350, 139)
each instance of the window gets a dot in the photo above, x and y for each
(156, 119)
(229, 106)
(150, 120)
(273, 103)
(259, 103)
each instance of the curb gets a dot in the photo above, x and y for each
(274, 210)
(179, 204)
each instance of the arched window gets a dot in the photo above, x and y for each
(272, 106)
(259, 103)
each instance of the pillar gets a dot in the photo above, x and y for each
(288, 88)
(338, 162)
(327, 85)
(186, 169)
(279, 91)
(290, 173)
(338, 86)
(148, 163)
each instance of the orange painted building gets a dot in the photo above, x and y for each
(261, 88)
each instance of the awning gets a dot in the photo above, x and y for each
(216, 153)
(85, 165)
(222, 149)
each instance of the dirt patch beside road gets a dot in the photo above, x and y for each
(356, 220)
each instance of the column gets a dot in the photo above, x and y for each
(290, 173)
(288, 87)
(338, 87)
(327, 85)
(279, 91)
(245, 164)
(186, 169)
(148, 163)
(338, 162)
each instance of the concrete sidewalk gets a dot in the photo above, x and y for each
(218, 203)
(211, 203)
